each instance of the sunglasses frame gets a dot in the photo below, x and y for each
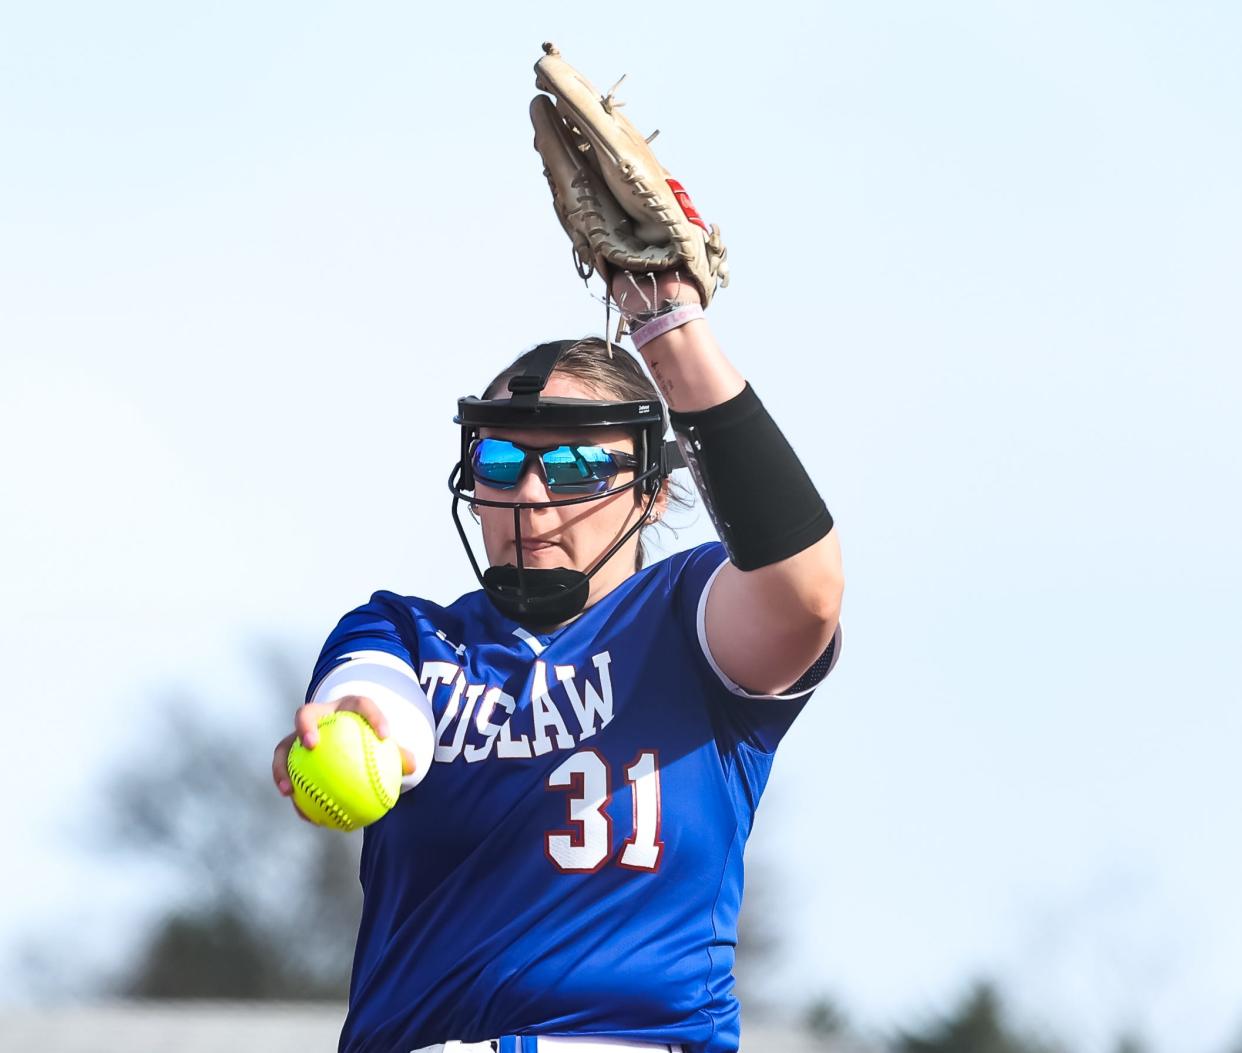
(624, 460)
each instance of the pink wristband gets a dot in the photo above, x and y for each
(665, 323)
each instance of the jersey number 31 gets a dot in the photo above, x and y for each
(586, 845)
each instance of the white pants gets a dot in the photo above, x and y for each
(557, 1044)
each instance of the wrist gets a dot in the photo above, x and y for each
(671, 315)
(637, 294)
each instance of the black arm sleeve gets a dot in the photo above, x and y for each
(761, 499)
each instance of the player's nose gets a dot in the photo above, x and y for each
(531, 486)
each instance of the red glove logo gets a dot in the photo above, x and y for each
(687, 206)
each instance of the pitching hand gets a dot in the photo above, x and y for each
(306, 730)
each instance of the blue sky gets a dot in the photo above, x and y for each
(985, 267)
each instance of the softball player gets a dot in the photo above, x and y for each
(586, 738)
(566, 870)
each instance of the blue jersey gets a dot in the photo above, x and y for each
(572, 863)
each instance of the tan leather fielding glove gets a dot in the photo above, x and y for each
(616, 202)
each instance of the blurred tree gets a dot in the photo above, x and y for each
(824, 1019)
(1130, 1043)
(758, 941)
(262, 904)
(977, 1025)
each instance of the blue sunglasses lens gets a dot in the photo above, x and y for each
(579, 469)
(498, 463)
(567, 469)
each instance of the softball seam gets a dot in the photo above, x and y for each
(373, 773)
(334, 812)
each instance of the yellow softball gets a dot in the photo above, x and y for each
(351, 778)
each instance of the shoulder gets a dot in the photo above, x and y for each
(467, 607)
(689, 569)
(710, 552)
(402, 624)
(670, 587)
(673, 585)
(689, 576)
(664, 596)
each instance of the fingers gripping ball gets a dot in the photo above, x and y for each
(351, 778)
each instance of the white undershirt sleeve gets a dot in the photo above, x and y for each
(807, 683)
(394, 687)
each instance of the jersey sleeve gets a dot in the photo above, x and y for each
(384, 624)
(759, 721)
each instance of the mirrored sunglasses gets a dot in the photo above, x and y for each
(568, 469)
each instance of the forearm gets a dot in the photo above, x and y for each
(690, 370)
(686, 363)
(761, 499)
(774, 610)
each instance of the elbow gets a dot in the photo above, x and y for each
(822, 602)
(821, 581)
(820, 609)
(811, 608)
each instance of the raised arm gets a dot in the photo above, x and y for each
(766, 625)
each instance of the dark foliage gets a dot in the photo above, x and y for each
(825, 1019)
(758, 940)
(976, 1025)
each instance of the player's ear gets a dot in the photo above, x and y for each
(660, 507)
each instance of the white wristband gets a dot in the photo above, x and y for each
(665, 323)
(394, 687)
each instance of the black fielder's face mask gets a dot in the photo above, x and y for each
(540, 596)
